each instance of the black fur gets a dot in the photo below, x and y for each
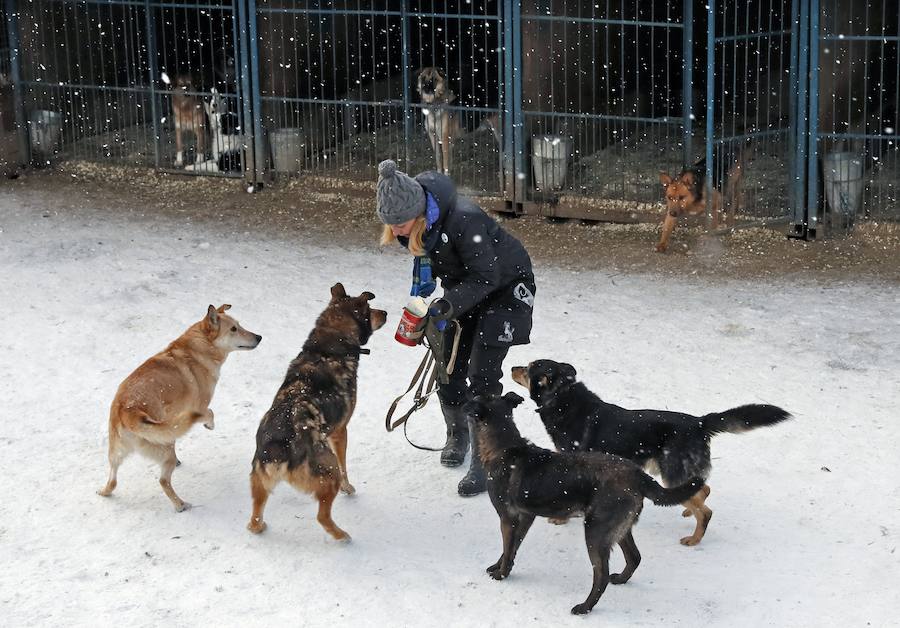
(525, 481)
(319, 390)
(678, 443)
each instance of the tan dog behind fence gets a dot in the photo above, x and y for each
(189, 117)
(441, 122)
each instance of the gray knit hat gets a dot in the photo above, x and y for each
(399, 197)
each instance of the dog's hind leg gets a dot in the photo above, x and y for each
(705, 490)
(165, 455)
(513, 530)
(338, 442)
(596, 529)
(632, 559)
(701, 512)
(326, 494)
(260, 493)
(118, 451)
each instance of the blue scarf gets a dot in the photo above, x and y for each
(423, 283)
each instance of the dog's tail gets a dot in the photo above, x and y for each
(669, 496)
(743, 419)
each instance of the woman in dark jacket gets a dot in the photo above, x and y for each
(488, 289)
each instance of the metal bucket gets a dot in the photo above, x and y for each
(288, 146)
(549, 156)
(843, 178)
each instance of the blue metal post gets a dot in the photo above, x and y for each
(251, 127)
(797, 113)
(812, 190)
(408, 112)
(517, 131)
(710, 101)
(508, 102)
(150, 20)
(687, 82)
(12, 32)
(251, 85)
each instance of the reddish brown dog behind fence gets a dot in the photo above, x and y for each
(686, 194)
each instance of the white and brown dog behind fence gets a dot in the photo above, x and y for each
(441, 122)
(189, 117)
(163, 399)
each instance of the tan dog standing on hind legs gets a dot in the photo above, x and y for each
(163, 399)
(441, 122)
(687, 194)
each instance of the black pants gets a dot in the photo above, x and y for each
(479, 363)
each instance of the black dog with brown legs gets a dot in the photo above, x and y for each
(526, 481)
(673, 444)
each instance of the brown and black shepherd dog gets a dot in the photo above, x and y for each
(302, 439)
(169, 393)
(687, 194)
(525, 481)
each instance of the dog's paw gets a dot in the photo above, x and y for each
(497, 574)
(617, 578)
(686, 513)
(182, 506)
(660, 248)
(347, 488)
(256, 526)
(210, 425)
(104, 492)
(581, 609)
(493, 568)
(558, 521)
(690, 541)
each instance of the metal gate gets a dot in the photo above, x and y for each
(751, 107)
(602, 103)
(98, 80)
(347, 98)
(850, 150)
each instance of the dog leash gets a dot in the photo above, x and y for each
(425, 372)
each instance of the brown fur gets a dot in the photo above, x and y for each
(160, 401)
(302, 439)
(441, 122)
(189, 116)
(686, 194)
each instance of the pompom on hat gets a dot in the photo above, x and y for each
(399, 198)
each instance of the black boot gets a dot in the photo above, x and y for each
(475, 481)
(454, 452)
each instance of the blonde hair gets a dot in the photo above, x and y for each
(416, 236)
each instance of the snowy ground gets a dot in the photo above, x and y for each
(806, 514)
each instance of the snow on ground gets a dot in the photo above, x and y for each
(806, 523)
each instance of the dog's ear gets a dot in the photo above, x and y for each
(512, 399)
(225, 306)
(472, 407)
(687, 178)
(567, 372)
(337, 291)
(368, 296)
(212, 317)
(665, 179)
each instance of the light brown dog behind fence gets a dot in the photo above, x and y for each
(441, 122)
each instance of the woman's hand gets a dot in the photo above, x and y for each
(440, 310)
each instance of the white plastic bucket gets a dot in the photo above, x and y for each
(44, 131)
(843, 178)
(549, 156)
(288, 147)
